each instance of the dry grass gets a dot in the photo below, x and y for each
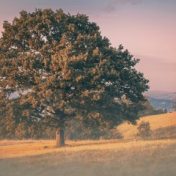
(160, 121)
(88, 158)
(12, 149)
(127, 157)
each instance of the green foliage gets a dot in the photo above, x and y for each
(61, 67)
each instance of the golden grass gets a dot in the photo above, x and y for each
(16, 149)
(127, 157)
(88, 158)
(129, 131)
(13, 148)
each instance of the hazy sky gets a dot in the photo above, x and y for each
(147, 28)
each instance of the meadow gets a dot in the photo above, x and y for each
(124, 157)
(162, 126)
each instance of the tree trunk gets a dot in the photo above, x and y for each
(60, 139)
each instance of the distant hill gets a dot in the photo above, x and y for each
(161, 99)
(162, 126)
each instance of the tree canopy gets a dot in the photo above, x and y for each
(58, 66)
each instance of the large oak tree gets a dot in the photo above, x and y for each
(58, 66)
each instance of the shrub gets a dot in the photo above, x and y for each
(144, 130)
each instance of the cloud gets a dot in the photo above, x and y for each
(112, 5)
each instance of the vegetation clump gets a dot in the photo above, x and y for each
(144, 130)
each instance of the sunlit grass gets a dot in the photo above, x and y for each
(129, 131)
(123, 157)
(13, 149)
(88, 158)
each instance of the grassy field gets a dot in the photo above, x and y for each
(163, 123)
(88, 158)
(127, 157)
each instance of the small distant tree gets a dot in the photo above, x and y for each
(60, 66)
(144, 130)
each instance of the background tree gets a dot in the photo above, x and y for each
(61, 67)
(144, 130)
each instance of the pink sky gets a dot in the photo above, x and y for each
(150, 38)
(147, 28)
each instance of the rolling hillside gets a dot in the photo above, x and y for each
(165, 124)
